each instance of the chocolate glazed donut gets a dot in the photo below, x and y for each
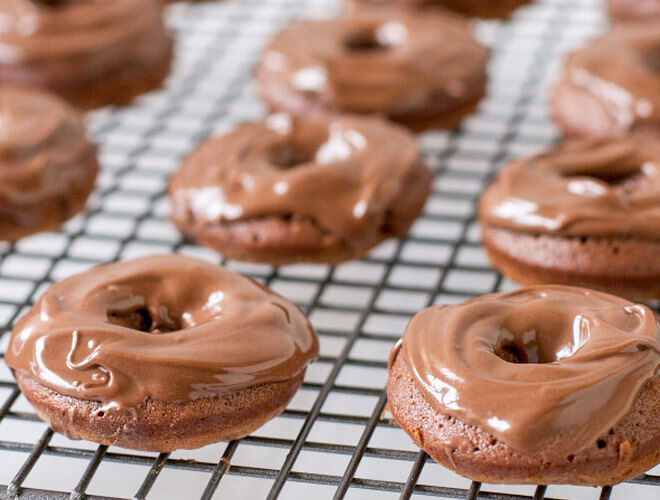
(420, 69)
(319, 189)
(476, 8)
(91, 53)
(585, 213)
(544, 385)
(47, 165)
(160, 353)
(610, 87)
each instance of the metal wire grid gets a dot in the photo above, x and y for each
(331, 442)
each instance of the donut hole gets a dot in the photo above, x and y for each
(376, 39)
(142, 320)
(320, 145)
(364, 41)
(653, 59)
(536, 339)
(511, 353)
(619, 176)
(524, 354)
(292, 155)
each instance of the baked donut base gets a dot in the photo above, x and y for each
(629, 449)
(160, 426)
(281, 240)
(624, 267)
(579, 114)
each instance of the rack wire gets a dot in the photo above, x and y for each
(331, 442)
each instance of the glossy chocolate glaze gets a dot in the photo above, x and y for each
(47, 165)
(168, 328)
(379, 60)
(63, 44)
(591, 187)
(343, 172)
(622, 71)
(540, 366)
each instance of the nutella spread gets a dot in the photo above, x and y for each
(622, 70)
(593, 187)
(379, 60)
(344, 172)
(60, 43)
(536, 367)
(169, 328)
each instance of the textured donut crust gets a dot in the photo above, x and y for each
(579, 113)
(281, 98)
(114, 88)
(278, 240)
(630, 448)
(160, 426)
(625, 267)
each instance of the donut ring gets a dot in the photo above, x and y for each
(610, 87)
(422, 70)
(545, 385)
(585, 213)
(318, 189)
(90, 53)
(473, 8)
(160, 353)
(47, 165)
(635, 10)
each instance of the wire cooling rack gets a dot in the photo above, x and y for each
(331, 441)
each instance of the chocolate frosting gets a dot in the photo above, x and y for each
(378, 60)
(45, 160)
(169, 328)
(542, 366)
(57, 43)
(622, 71)
(592, 187)
(344, 172)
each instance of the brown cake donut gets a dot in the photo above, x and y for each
(318, 189)
(544, 385)
(610, 87)
(91, 53)
(585, 213)
(160, 353)
(472, 8)
(47, 165)
(422, 70)
(635, 10)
